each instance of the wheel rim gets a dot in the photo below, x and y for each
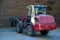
(29, 30)
(17, 27)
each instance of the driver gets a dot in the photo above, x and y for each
(39, 13)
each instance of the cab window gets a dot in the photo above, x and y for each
(39, 10)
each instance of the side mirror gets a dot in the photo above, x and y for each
(36, 19)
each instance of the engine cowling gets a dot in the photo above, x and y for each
(44, 22)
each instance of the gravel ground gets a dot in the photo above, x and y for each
(11, 34)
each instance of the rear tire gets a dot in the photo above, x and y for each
(30, 30)
(44, 33)
(19, 27)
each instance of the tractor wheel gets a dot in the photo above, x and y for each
(44, 33)
(19, 27)
(30, 30)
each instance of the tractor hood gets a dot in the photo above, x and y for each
(45, 18)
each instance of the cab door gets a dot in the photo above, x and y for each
(31, 13)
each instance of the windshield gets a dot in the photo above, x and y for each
(39, 10)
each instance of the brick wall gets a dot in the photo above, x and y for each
(10, 8)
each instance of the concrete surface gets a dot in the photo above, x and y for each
(11, 34)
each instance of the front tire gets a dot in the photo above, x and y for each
(44, 33)
(30, 30)
(19, 27)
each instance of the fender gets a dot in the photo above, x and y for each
(30, 23)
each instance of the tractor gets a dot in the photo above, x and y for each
(36, 20)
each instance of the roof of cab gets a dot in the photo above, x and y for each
(37, 5)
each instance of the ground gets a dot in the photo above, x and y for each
(11, 34)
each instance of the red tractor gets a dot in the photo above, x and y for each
(36, 21)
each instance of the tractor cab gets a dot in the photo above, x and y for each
(34, 10)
